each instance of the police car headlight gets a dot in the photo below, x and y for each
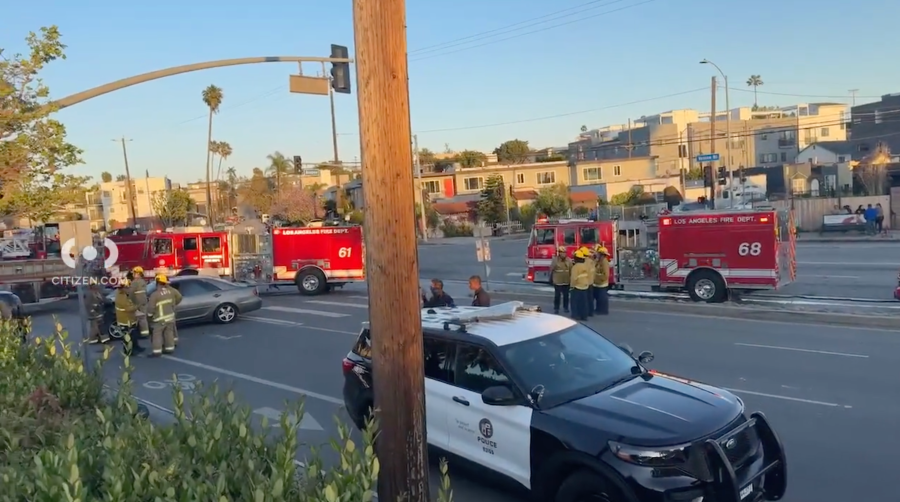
(673, 456)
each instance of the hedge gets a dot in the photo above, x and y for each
(63, 438)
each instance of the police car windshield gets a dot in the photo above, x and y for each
(570, 364)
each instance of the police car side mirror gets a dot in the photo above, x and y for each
(498, 395)
(645, 357)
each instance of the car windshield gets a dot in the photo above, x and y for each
(570, 364)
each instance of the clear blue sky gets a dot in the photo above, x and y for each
(578, 71)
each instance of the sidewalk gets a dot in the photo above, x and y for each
(856, 237)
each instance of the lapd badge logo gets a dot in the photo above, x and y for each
(486, 428)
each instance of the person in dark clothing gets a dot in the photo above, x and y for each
(870, 214)
(439, 298)
(480, 297)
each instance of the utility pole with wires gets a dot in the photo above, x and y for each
(853, 93)
(334, 134)
(713, 175)
(128, 188)
(391, 250)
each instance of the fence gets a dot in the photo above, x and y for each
(808, 212)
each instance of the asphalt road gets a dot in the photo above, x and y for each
(830, 392)
(845, 270)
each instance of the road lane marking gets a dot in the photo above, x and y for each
(825, 352)
(359, 297)
(847, 263)
(257, 380)
(840, 277)
(787, 398)
(338, 304)
(293, 310)
(308, 422)
(289, 324)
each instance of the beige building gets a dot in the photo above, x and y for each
(113, 196)
(532, 176)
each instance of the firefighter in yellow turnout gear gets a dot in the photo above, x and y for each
(126, 318)
(161, 309)
(137, 291)
(601, 281)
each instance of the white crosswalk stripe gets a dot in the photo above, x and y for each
(339, 304)
(292, 310)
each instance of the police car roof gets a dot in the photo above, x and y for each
(502, 324)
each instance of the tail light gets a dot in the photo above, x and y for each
(530, 276)
(347, 365)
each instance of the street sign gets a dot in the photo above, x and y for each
(709, 157)
(483, 250)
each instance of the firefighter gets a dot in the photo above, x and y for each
(581, 277)
(601, 281)
(93, 304)
(560, 269)
(126, 318)
(137, 291)
(161, 309)
(589, 259)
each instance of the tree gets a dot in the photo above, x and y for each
(120, 177)
(553, 200)
(427, 158)
(294, 205)
(872, 170)
(492, 206)
(257, 192)
(223, 150)
(172, 207)
(279, 166)
(584, 128)
(33, 147)
(514, 151)
(212, 96)
(229, 188)
(471, 158)
(695, 173)
(755, 81)
(106, 177)
(626, 198)
(672, 196)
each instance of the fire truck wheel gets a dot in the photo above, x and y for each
(115, 332)
(706, 286)
(311, 282)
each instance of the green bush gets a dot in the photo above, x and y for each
(63, 439)
(462, 229)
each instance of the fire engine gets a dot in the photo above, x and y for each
(315, 258)
(706, 253)
(30, 259)
(547, 236)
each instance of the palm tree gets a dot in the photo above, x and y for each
(755, 81)
(279, 165)
(584, 128)
(212, 97)
(223, 150)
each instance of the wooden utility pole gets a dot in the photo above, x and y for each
(713, 175)
(128, 190)
(391, 251)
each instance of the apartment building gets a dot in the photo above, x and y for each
(113, 196)
(521, 177)
(876, 122)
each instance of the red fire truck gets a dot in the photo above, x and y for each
(706, 253)
(314, 258)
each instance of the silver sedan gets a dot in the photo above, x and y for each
(205, 299)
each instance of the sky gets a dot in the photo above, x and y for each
(480, 72)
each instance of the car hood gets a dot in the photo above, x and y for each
(654, 410)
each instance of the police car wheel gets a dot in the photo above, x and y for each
(586, 486)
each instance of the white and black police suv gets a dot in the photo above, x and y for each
(555, 407)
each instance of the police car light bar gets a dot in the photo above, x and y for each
(506, 310)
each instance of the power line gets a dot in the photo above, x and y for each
(584, 18)
(517, 26)
(824, 96)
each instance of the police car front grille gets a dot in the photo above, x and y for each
(746, 444)
(744, 450)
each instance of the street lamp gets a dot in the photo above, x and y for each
(727, 128)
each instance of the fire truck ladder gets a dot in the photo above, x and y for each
(10, 248)
(792, 248)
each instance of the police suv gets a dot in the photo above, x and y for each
(560, 410)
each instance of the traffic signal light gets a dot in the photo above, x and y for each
(298, 164)
(340, 72)
(707, 176)
(721, 171)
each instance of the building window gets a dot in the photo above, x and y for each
(591, 174)
(842, 158)
(547, 178)
(784, 156)
(824, 132)
(520, 178)
(431, 186)
(473, 183)
(617, 170)
(798, 185)
(768, 158)
(682, 151)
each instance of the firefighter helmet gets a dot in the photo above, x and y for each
(162, 279)
(561, 249)
(579, 254)
(602, 250)
(138, 270)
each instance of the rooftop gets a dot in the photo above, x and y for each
(503, 324)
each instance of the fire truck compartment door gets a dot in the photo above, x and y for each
(188, 248)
